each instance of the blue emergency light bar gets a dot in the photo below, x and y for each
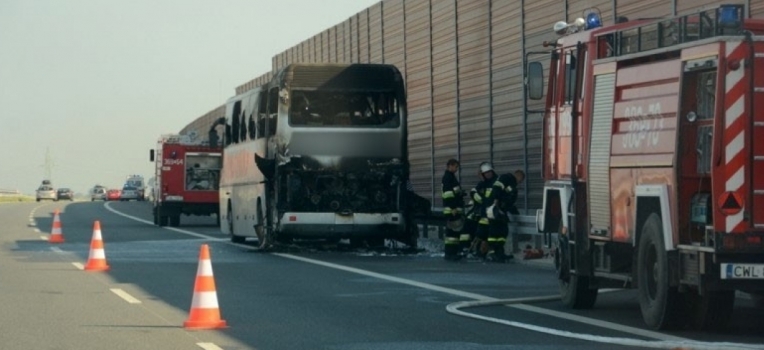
(593, 20)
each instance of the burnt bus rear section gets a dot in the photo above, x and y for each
(341, 161)
(355, 197)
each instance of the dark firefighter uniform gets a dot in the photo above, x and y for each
(497, 196)
(452, 203)
(471, 217)
(499, 201)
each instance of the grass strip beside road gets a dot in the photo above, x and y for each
(16, 199)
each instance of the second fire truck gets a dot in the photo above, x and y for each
(653, 161)
(187, 178)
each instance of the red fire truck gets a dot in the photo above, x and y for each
(653, 161)
(187, 178)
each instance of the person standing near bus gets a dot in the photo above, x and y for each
(453, 204)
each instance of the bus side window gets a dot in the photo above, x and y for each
(261, 114)
(273, 111)
(243, 125)
(235, 132)
(251, 126)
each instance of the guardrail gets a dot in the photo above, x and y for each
(7, 192)
(522, 228)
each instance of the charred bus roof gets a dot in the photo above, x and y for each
(381, 77)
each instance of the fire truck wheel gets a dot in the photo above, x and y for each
(576, 294)
(229, 217)
(175, 220)
(574, 290)
(712, 311)
(659, 302)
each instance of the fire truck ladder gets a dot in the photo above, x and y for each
(757, 142)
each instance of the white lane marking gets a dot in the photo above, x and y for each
(37, 230)
(209, 346)
(44, 238)
(125, 295)
(603, 324)
(197, 235)
(388, 278)
(679, 343)
(57, 250)
(585, 320)
(32, 224)
(78, 265)
(594, 322)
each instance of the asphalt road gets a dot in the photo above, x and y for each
(304, 298)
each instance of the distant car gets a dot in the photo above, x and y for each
(46, 192)
(113, 194)
(129, 193)
(98, 193)
(65, 193)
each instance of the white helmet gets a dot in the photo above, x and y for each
(485, 167)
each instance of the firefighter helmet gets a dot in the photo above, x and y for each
(485, 167)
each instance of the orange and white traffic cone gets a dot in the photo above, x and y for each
(97, 257)
(205, 313)
(55, 233)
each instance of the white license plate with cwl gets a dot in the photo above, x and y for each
(742, 271)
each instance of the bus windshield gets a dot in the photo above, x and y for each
(316, 108)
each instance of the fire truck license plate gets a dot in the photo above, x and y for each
(742, 271)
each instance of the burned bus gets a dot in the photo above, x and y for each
(319, 152)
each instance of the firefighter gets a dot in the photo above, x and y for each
(479, 195)
(468, 240)
(500, 202)
(453, 204)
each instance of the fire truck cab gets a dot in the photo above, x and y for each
(653, 161)
(187, 178)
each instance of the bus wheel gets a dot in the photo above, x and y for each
(410, 236)
(711, 311)
(659, 302)
(234, 238)
(574, 290)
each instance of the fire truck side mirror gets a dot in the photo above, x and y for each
(535, 82)
(151, 155)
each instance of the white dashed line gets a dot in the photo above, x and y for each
(57, 250)
(209, 346)
(124, 295)
(78, 265)
(44, 238)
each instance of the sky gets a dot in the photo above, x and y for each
(91, 84)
